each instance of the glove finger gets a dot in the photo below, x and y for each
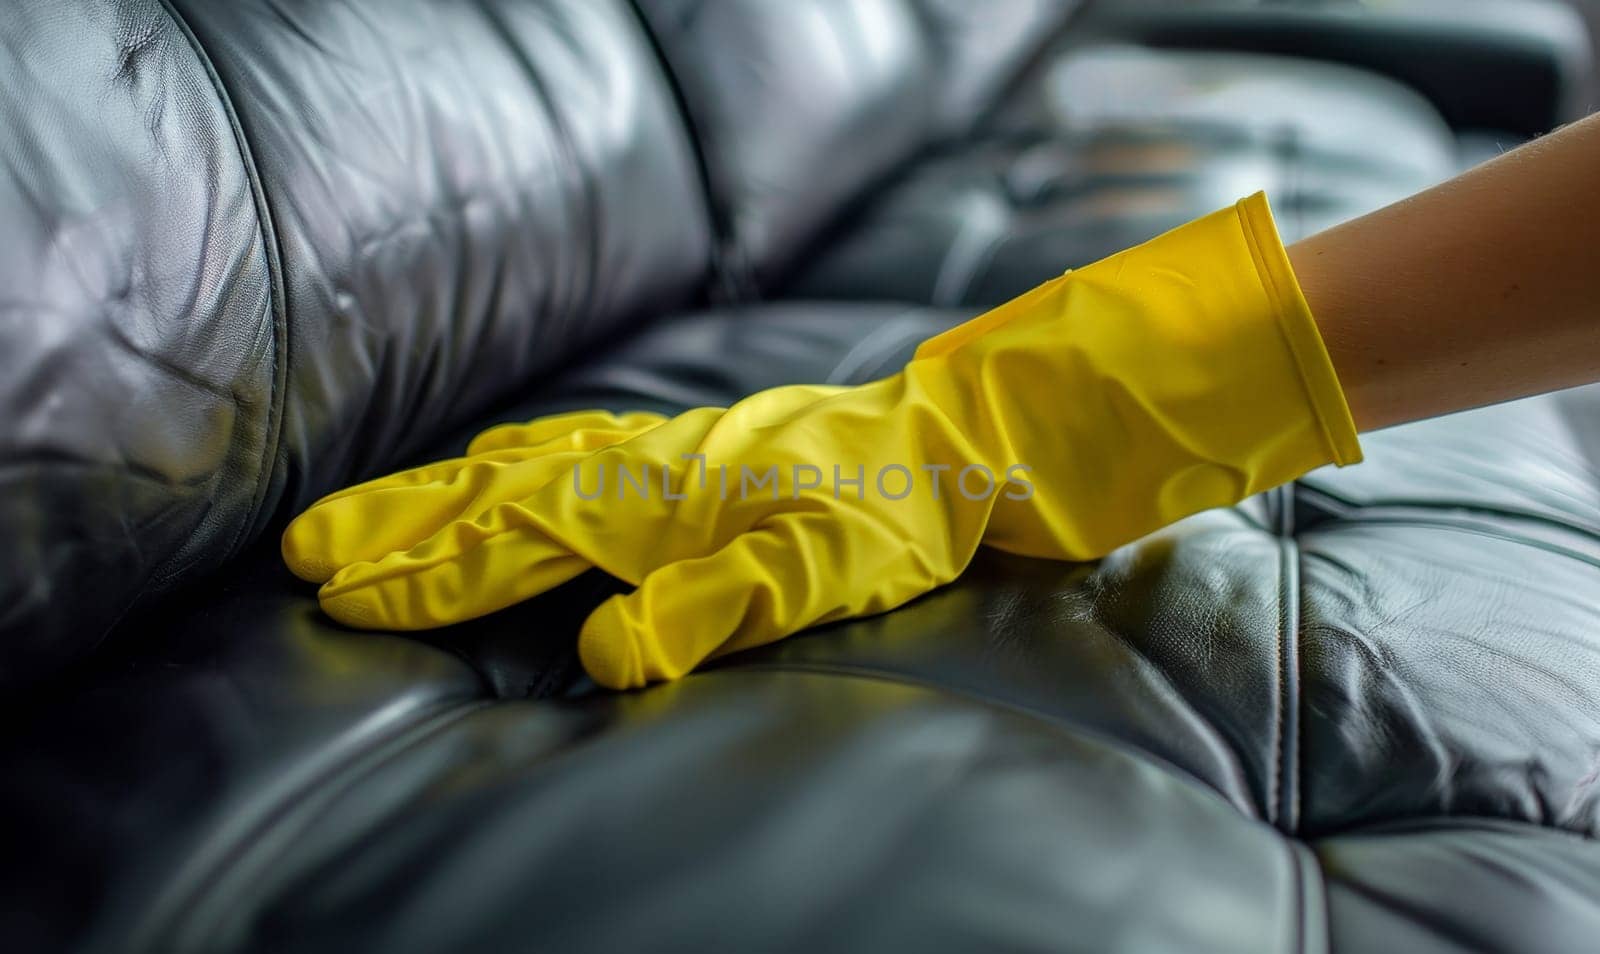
(363, 523)
(411, 477)
(579, 430)
(365, 527)
(793, 571)
(466, 570)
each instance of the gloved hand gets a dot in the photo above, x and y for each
(367, 522)
(1180, 375)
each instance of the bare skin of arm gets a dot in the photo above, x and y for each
(1482, 289)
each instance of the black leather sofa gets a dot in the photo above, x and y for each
(255, 250)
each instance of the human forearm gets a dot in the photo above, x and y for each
(1481, 289)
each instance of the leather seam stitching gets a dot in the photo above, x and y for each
(1274, 799)
(273, 254)
(1284, 797)
(1293, 629)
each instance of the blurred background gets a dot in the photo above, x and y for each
(1141, 114)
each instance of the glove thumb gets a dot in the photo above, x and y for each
(759, 587)
(765, 584)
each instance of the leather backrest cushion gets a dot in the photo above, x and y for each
(256, 249)
(139, 362)
(800, 106)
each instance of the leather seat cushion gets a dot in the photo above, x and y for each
(1281, 726)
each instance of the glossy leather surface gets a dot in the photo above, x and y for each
(1322, 720)
(800, 107)
(139, 347)
(255, 249)
(464, 195)
(1360, 713)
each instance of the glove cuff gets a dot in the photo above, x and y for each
(1300, 331)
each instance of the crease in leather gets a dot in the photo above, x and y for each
(1432, 824)
(1238, 797)
(118, 336)
(969, 253)
(272, 252)
(1444, 522)
(590, 236)
(880, 345)
(1353, 511)
(731, 274)
(196, 899)
(1405, 911)
(1312, 930)
(130, 469)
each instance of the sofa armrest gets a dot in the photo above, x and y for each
(1515, 65)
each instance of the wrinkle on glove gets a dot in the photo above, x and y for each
(1180, 375)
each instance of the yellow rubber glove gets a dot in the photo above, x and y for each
(371, 520)
(1184, 374)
